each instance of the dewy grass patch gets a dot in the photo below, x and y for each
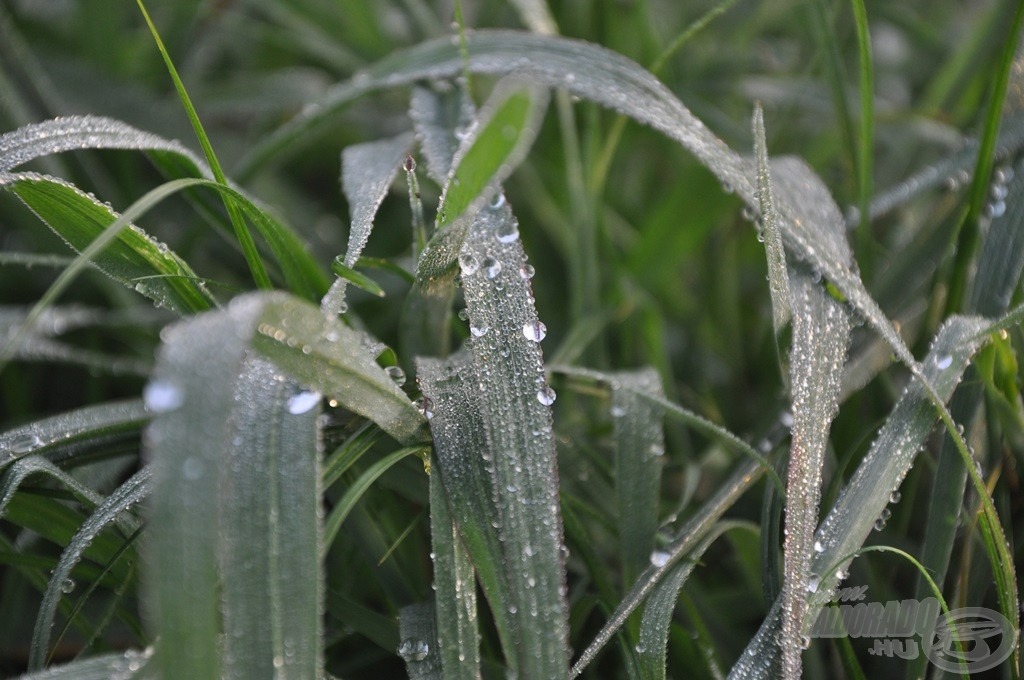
(570, 418)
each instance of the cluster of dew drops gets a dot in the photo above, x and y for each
(470, 265)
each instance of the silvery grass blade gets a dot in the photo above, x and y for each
(134, 258)
(821, 333)
(494, 145)
(466, 467)
(111, 510)
(689, 536)
(367, 171)
(652, 646)
(441, 114)
(437, 111)
(40, 341)
(953, 173)
(853, 517)
(458, 636)
(123, 666)
(495, 394)
(639, 447)
(418, 647)
(778, 280)
(233, 587)
(95, 132)
(59, 437)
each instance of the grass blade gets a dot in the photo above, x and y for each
(60, 437)
(437, 112)
(853, 516)
(458, 638)
(821, 334)
(127, 665)
(639, 447)
(227, 429)
(367, 171)
(418, 647)
(128, 494)
(778, 279)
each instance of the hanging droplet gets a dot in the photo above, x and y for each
(895, 497)
(162, 396)
(302, 402)
(464, 314)
(68, 586)
(425, 406)
(526, 271)
(546, 396)
(410, 164)
(534, 331)
(498, 201)
(396, 374)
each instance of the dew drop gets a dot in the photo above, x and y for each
(656, 449)
(819, 547)
(396, 374)
(68, 586)
(24, 442)
(895, 497)
(464, 314)
(491, 267)
(413, 650)
(162, 396)
(302, 402)
(469, 264)
(478, 331)
(659, 558)
(944, 361)
(805, 642)
(526, 272)
(813, 583)
(425, 406)
(640, 649)
(786, 419)
(497, 202)
(410, 164)
(546, 396)
(534, 331)
(879, 524)
(507, 231)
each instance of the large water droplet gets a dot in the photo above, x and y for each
(819, 547)
(68, 586)
(491, 267)
(469, 264)
(24, 442)
(508, 232)
(161, 396)
(526, 271)
(478, 331)
(535, 330)
(396, 374)
(302, 402)
(425, 406)
(546, 396)
(413, 649)
(659, 558)
(944, 361)
(895, 497)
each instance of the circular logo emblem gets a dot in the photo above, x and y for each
(970, 639)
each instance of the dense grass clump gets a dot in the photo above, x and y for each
(641, 340)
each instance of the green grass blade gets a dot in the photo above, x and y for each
(437, 112)
(352, 495)
(367, 171)
(418, 647)
(657, 617)
(866, 136)
(241, 232)
(128, 494)
(18, 472)
(639, 447)
(127, 665)
(134, 258)
(502, 135)
(55, 436)
(458, 637)
(695, 529)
